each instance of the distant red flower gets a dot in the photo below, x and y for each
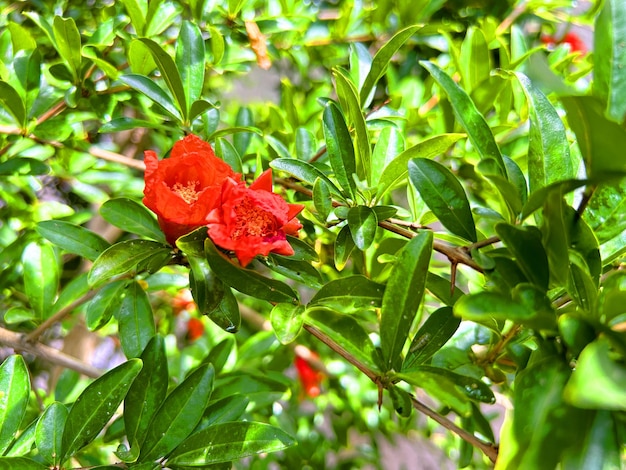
(183, 301)
(182, 189)
(571, 39)
(310, 378)
(195, 329)
(253, 220)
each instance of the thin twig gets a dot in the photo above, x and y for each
(117, 158)
(508, 21)
(57, 317)
(16, 342)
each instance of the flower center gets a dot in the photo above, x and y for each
(252, 220)
(188, 193)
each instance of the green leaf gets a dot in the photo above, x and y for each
(525, 245)
(230, 441)
(217, 44)
(397, 169)
(347, 333)
(126, 124)
(363, 223)
(295, 269)
(140, 59)
(403, 295)
(226, 315)
(475, 59)
(444, 195)
(135, 320)
(190, 60)
(248, 281)
(105, 304)
(538, 197)
(601, 449)
(23, 166)
(198, 107)
(227, 152)
(468, 116)
(606, 212)
(304, 172)
(178, 415)
(241, 140)
(381, 60)
(23, 463)
(610, 58)
(49, 432)
(224, 410)
(73, 238)
(41, 277)
(260, 388)
(147, 392)
(129, 256)
(349, 293)
(348, 95)
(132, 217)
(440, 288)
(548, 147)
(287, 321)
(556, 237)
(153, 91)
(13, 103)
(600, 140)
(95, 406)
(431, 336)
(389, 146)
(15, 386)
(597, 382)
(137, 11)
(68, 44)
(510, 193)
(170, 74)
(339, 148)
(322, 199)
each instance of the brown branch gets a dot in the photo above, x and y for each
(16, 342)
(117, 158)
(57, 317)
(490, 450)
(510, 19)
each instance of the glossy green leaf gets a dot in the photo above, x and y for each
(606, 212)
(339, 148)
(105, 304)
(23, 166)
(137, 11)
(473, 388)
(287, 321)
(304, 172)
(511, 194)
(389, 145)
(575, 333)
(597, 382)
(363, 223)
(346, 332)
(349, 293)
(298, 270)
(170, 74)
(135, 320)
(217, 44)
(49, 432)
(403, 296)
(127, 257)
(147, 392)
(68, 43)
(475, 59)
(610, 58)
(230, 441)
(132, 217)
(227, 152)
(548, 146)
(556, 237)
(538, 197)
(15, 386)
(525, 245)
(241, 140)
(126, 123)
(178, 415)
(397, 169)
(444, 195)
(224, 410)
(248, 281)
(381, 61)
(198, 107)
(41, 277)
(261, 388)
(11, 100)
(600, 140)
(73, 238)
(431, 336)
(322, 199)
(140, 59)
(468, 116)
(601, 448)
(95, 406)
(349, 98)
(153, 91)
(23, 463)
(227, 315)
(190, 60)
(440, 288)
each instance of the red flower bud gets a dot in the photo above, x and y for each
(182, 189)
(195, 329)
(310, 378)
(253, 220)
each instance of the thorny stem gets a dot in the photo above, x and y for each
(17, 342)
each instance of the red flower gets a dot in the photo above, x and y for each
(310, 378)
(195, 329)
(571, 39)
(253, 221)
(182, 189)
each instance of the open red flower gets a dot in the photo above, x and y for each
(182, 189)
(310, 378)
(575, 43)
(253, 220)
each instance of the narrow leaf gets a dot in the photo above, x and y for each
(153, 91)
(403, 295)
(95, 406)
(303, 171)
(132, 217)
(340, 148)
(13, 103)
(15, 386)
(73, 238)
(190, 60)
(49, 432)
(41, 277)
(68, 43)
(363, 223)
(135, 320)
(444, 195)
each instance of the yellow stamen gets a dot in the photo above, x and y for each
(187, 193)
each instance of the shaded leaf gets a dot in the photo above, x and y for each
(287, 321)
(363, 223)
(132, 217)
(73, 238)
(15, 386)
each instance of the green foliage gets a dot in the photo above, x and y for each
(463, 177)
